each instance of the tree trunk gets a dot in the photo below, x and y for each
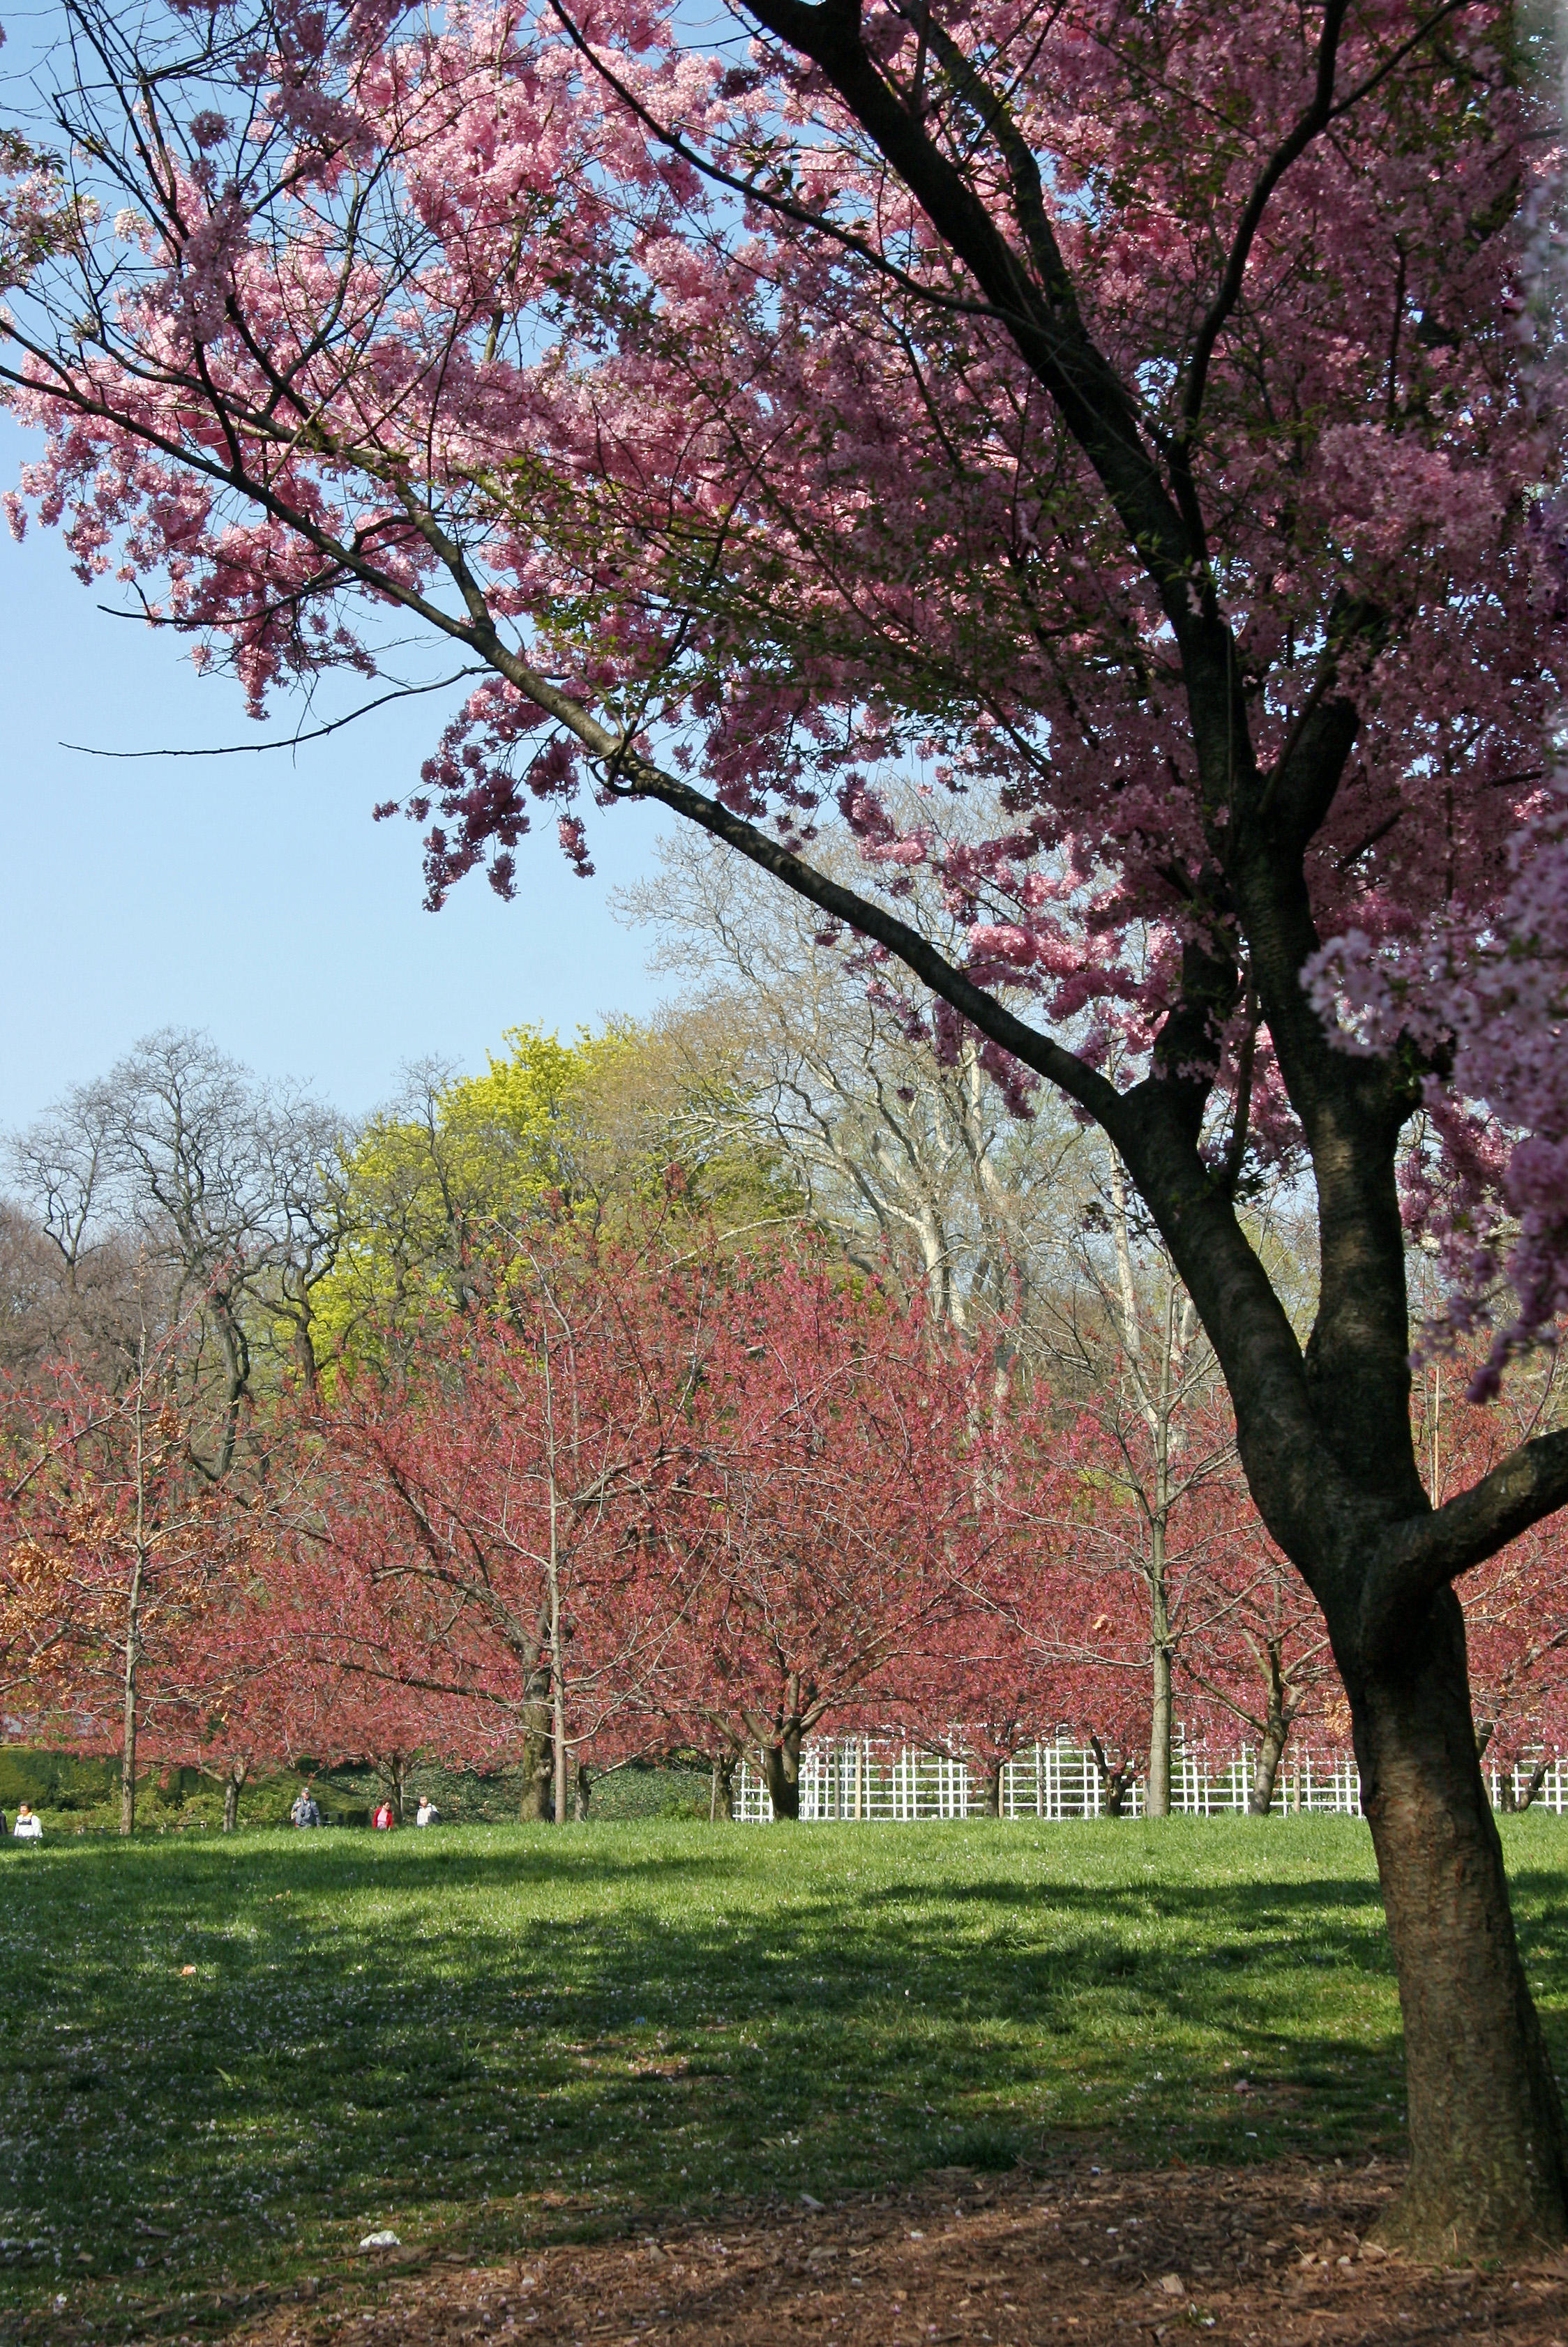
(534, 1802)
(562, 1755)
(1157, 1803)
(722, 1799)
(1509, 1799)
(128, 1771)
(581, 1791)
(1489, 2153)
(237, 1775)
(1115, 1783)
(991, 1776)
(780, 1765)
(557, 1661)
(127, 1742)
(1260, 1800)
(1157, 1800)
(133, 1617)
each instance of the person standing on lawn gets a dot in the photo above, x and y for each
(29, 1826)
(304, 1811)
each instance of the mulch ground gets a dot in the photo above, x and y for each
(1272, 2254)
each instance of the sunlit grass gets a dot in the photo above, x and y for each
(477, 2034)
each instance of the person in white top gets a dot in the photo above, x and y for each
(29, 1826)
(428, 1811)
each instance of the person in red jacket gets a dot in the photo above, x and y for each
(383, 1819)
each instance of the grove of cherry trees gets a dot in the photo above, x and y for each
(563, 1416)
(1074, 496)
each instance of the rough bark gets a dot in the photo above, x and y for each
(781, 1766)
(233, 1786)
(1489, 2151)
(581, 1790)
(539, 1760)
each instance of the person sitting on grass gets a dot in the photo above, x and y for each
(304, 1811)
(428, 1812)
(29, 1825)
(384, 1821)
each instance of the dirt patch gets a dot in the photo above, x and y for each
(1267, 2254)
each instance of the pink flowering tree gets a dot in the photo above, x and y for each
(1105, 463)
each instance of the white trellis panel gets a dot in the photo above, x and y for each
(1552, 1793)
(863, 1779)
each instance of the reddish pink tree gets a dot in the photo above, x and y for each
(294, 1658)
(118, 1537)
(1139, 424)
(1260, 1660)
(489, 1538)
(860, 1474)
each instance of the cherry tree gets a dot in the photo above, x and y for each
(977, 1689)
(485, 1540)
(857, 1476)
(276, 1665)
(1136, 429)
(1262, 1661)
(116, 1540)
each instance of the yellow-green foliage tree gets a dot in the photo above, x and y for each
(440, 1185)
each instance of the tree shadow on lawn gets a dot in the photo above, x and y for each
(226, 2067)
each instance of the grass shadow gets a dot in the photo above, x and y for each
(226, 2063)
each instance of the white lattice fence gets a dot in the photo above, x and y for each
(850, 1779)
(1554, 1790)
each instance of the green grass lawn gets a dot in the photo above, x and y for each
(477, 2036)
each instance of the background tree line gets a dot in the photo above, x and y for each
(250, 1345)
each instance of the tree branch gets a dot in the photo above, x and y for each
(1418, 1558)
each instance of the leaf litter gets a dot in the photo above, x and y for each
(1274, 2253)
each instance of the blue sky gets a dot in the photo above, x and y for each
(252, 897)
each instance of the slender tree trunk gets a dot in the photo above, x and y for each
(1115, 1783)
(1489, 2152)
(1261, 1798)
(238, 1772)
(132, 1668)
(990, 1775)
(581, 1791)
(1157, 1803)
(127, 1746)
(557, 1709)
